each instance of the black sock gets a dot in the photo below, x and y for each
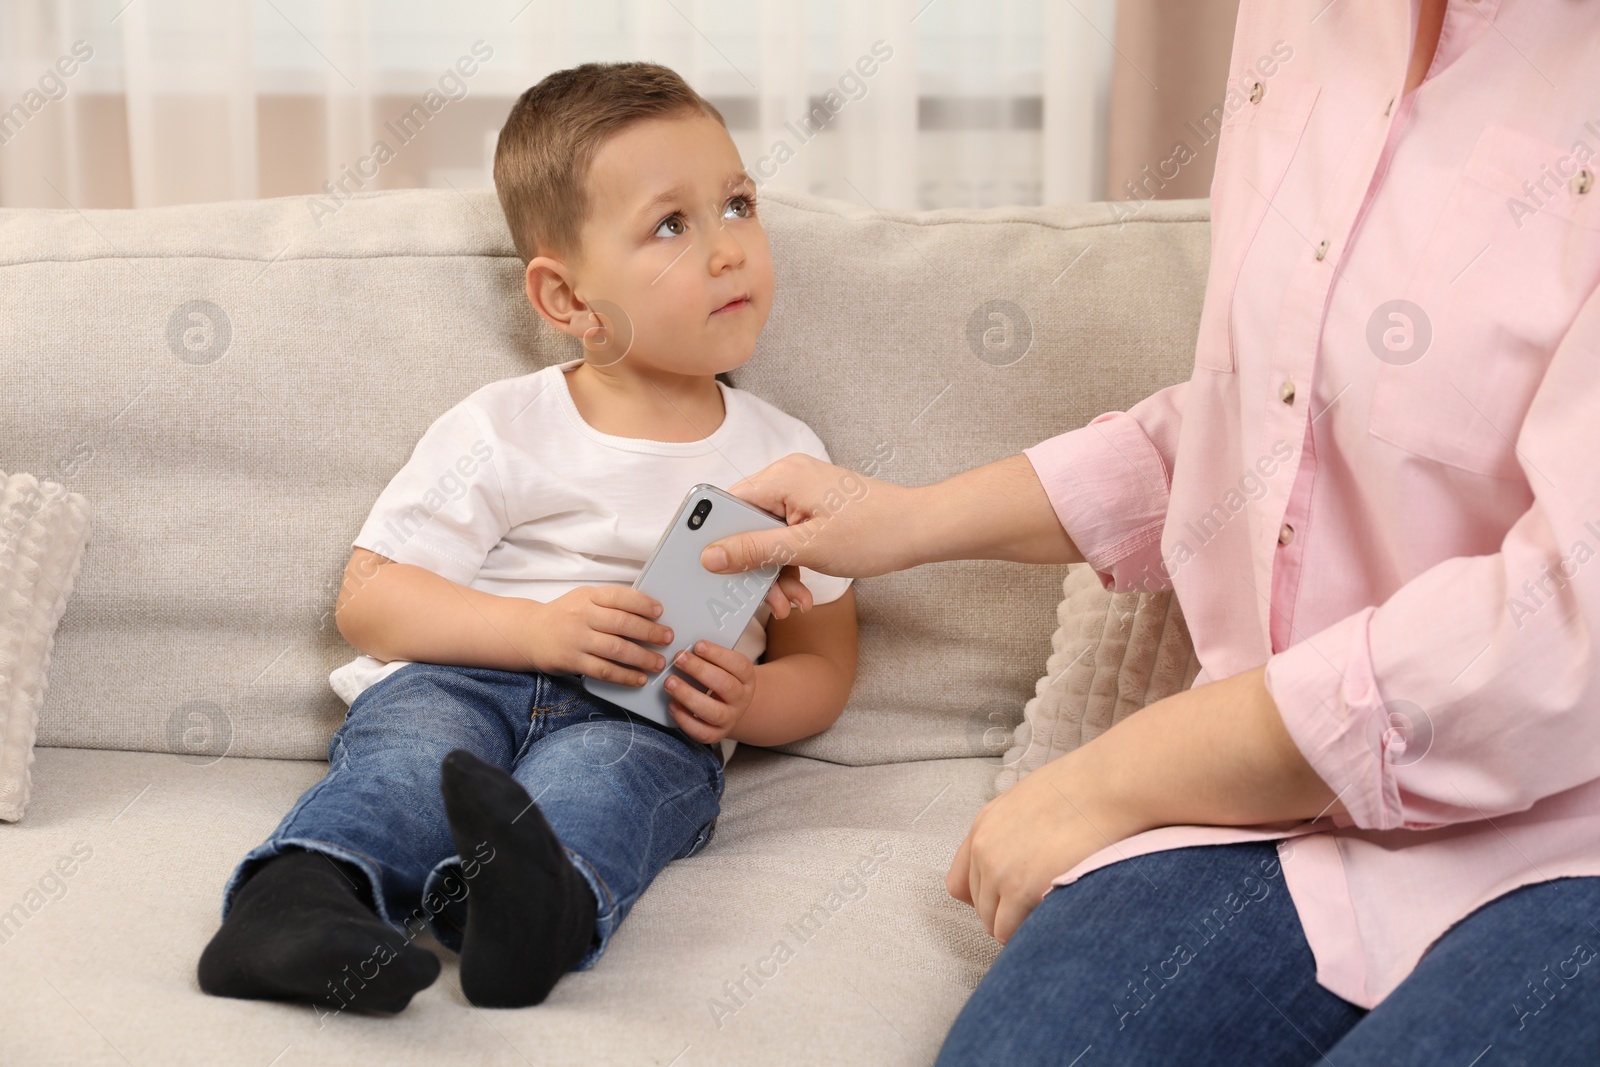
(530, 914)
(300, 930)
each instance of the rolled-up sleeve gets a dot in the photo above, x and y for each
(1472, 691)
(1110, 483)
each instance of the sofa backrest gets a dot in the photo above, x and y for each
(231, 385)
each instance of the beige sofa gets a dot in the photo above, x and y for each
(231, 385)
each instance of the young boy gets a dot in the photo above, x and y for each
(475, 787)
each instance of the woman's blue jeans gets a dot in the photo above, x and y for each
(624, 796)
(1148, 961)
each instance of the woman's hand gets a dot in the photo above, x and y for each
(731, 678)
(840, 522)
(1026, 837)
(844, 523)
(1215, 755)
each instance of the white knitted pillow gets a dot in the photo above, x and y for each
(1112, 654)
(43, 533)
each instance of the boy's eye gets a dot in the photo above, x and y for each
(740, 207)
(671, 226)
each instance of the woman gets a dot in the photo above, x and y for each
(1371, 832)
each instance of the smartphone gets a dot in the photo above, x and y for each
(697, 604)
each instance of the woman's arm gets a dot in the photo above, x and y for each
(1216, 755)
(997, 511)
(1107, 482)
(847, 524)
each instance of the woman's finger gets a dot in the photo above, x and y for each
(974, 882)
(975, 871)
(747, 551)
(771, 487)
(985, 896)
(956, 881)
(782, 488)
(788, 591)
(792, 588)
(1012, 911)
(778, 602)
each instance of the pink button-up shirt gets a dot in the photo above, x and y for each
(1381, 479)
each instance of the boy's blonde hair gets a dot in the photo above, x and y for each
(542, 159)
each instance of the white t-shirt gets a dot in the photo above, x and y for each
(512, 493)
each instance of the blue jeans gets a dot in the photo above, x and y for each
(624, 796)
(1148, 961)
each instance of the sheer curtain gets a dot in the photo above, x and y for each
(893, 104)
(1188, 44)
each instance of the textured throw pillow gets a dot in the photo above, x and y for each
(43, 533)
(1113, 654)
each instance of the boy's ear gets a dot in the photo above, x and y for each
(549, 286)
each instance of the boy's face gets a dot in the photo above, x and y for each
(672, 240)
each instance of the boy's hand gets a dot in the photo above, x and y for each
(586, 631)
(731, 677)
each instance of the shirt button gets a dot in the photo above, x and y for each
(1257, 91)
(1285, 534)
(1322, 249)
(1286, 391)
(1582, 181)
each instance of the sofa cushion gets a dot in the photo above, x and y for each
(233, 384)
(113, 885)
(43, 533)
(1112, 654)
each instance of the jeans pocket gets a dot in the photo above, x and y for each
(553, 695)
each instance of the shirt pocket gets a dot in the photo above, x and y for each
(1255, 146)
(1496, 286)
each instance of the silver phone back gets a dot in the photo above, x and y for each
(696, 604)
